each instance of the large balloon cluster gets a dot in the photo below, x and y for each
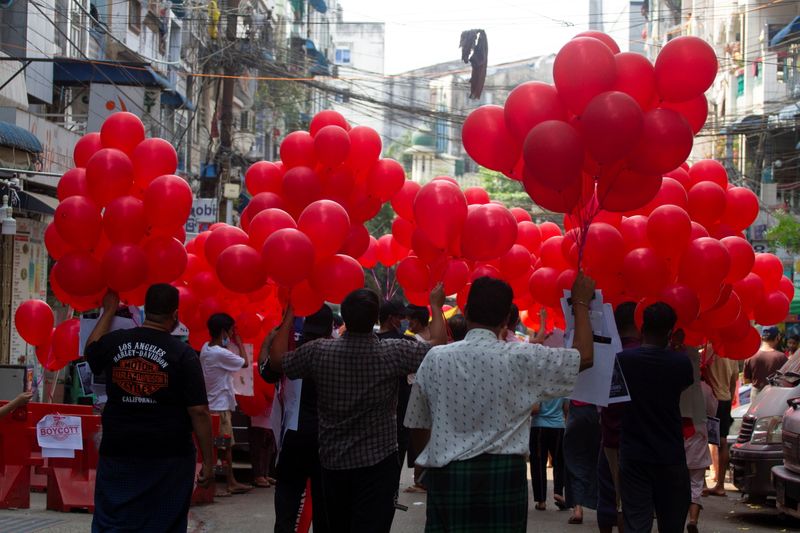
(301, 233)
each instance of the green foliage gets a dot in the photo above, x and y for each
(506, 190)
(786, 233)
(284, 98)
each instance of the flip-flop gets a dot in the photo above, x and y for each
(240, 490)
(561, 504)
(263, 484)
(574, 520)
(541, 506)
(415, 489)
(225, 494)
(717, 494)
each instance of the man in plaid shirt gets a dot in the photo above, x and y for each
(357, 383)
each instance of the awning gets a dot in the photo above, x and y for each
(320, 66)
(33, 202)
(13, 136)
(748, 124)
(74, 72)
(176, 99)
(789, 31)
(789, 112)
(319, 5)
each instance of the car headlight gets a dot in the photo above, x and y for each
(768, 430)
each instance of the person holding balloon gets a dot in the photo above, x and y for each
(20, 400)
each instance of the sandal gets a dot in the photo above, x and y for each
(415, 489)
(262, 483)
(540, 506)
(240, 490)
(575, 520)
(223, 494)
(560, 503)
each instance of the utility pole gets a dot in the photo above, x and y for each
(230, 70)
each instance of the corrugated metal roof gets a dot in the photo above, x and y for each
(13, 136)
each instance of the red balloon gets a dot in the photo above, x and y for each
(403, 231)
(327, 225)
(297, 150)
(490, 230)
(365, 148)
(750, 290)
(456, 276)
(403, 201)
(440, 210)
(583, 68)
(669, 229)
(166, 258)
(636, 77)
(611, 126)
(708, 170)
(634, 232)
(168, 202)
(263, 176)
(548, 230)
(515, 262)
(604, 248)
(742, 258)
(706, 202)
(529, 104)
(301, 186)
(338, 184)
(487, 140)
(109, 174)
(627, 190)
(85, 148)
(337, 276)
(770, 269)
(55, 244)
(670, 193)
(544, 286)
(72, 183)
(248, 324)
(124, 220)
(66, 342)
(331, 145)
(34, 322)
(123, 131)
(685, 68)
(602, 37)
(681, 176)
(413, 274)
(386, 179)
(305, 300)
(665, 143)
(357, 241)
(561, 200)
(683, 301)
(78, 222)
(79, 274)
(327, 117)
(698, 231)
(529, 235)
(370, 258)
(551, 253)
(153, 158)
(288, 256)
(521, 215)
(786, 287)
(553, 153)
(125, 267)
(772, 309)
(645, 272)
(266, 223)
(264, 200)
(484, 270)
(705, 264)
(424, 248)
(385, 251)
(741, 208)
(239, 269)
(220, 239)
(695, 111)
(745, 348)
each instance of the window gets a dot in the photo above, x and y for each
(342, 56)
(341, 98)
(134, 15)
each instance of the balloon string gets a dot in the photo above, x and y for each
(586, 215)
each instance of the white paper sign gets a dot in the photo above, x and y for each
(243, 379)
(60, 432)
(57, 453)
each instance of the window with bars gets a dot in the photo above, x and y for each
(135, 15)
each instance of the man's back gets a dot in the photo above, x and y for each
(480, 392)
(151, 379)
(762, 365)
(357, 381)
(651, 425)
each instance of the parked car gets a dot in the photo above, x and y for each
(759, 446)
(737, 414)
(787, 476)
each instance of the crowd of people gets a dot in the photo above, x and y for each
(468, 402)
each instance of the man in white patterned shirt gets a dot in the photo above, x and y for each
(472, 402)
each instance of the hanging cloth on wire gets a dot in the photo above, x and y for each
(475, 50)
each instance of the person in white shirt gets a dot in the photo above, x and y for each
(219, 366)
(470, 409)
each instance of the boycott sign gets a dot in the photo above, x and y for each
(60, 432)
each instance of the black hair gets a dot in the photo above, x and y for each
(419, 313)
(659, 320)
(458, 327)
(317, 326)
(489, 302)
(360, 310)
(513, 317)
(390, 309)
(219, 322)
(337, 320)
(160, 301)
(625, 316)
(795, 338)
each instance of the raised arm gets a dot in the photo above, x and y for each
(541, 335)
(437, 326)
(110, 305)
(280, 343)
(582, 294)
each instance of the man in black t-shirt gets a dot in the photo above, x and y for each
(653, 472)
(156, 398)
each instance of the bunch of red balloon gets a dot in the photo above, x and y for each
(120, 219)
(55, 347)
(611, 120)
(302, 231)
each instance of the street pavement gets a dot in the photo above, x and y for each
(254, 513)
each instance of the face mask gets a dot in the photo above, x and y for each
(225, 342)
(404, 326)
